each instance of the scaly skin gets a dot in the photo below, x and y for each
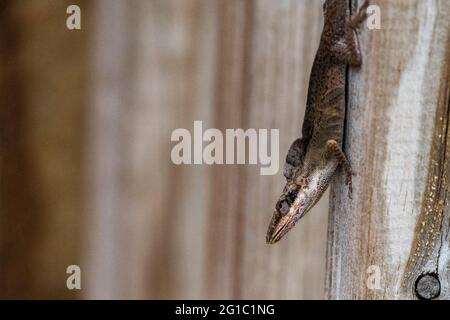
(313, 159)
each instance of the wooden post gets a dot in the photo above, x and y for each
(392, 240)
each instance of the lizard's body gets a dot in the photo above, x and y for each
(313, 159)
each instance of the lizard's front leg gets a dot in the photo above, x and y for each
(360, 16)
(346, 50)
(333, 149)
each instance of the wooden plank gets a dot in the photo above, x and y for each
(396, 140)
(267, 54)
(199, 231)
(43, 75)
(109, 60)
(162, 81)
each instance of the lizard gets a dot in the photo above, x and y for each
(313, 159)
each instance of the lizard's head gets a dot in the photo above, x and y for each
(293, 204)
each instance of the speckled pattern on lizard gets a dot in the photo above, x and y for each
(313, 159)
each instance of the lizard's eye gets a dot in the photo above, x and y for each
(283, 207)
(290, 196)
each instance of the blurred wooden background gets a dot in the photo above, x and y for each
(43, 81)
(86, 176)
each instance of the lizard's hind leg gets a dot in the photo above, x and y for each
(334, 150)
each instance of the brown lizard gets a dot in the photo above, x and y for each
(312, 160)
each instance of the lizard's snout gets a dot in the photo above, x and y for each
(285, 217)
(284, 224)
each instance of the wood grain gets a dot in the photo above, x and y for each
(193, 231)
(264, 72)
(396, 140)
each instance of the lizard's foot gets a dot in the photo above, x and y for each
(348, 50)
(360, 16)
(334, 150)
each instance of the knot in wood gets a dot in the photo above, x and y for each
(428, 286)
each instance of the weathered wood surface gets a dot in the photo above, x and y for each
(398, 143)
